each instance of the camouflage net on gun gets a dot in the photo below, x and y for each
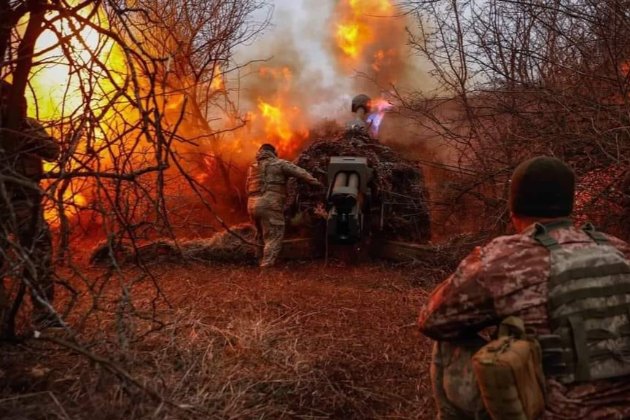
(398, 187)
(224, 246)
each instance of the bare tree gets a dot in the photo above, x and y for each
(519, 78)
(144, 74)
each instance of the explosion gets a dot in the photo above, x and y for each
(57, 94)
(277, 105)
(281, 127)
(275, 117)
(355, 31)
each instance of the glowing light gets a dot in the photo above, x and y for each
(58, 81)
(217, 82)
(282, 126)
(348, 38)
(378, 106)
(354, 31)
(73, 202)
(276, 118)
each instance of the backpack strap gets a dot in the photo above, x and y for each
(594, 234)
(541, 235)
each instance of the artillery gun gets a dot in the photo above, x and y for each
(348, 198)
(375, 204)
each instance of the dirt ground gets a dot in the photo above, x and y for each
(304, 340)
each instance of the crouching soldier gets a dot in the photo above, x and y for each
(266, 190)
(570, 287)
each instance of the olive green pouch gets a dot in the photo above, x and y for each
(510, 375)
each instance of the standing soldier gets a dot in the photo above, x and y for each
(21, 210)
(569, 286)
(266, 190)
(361, 109)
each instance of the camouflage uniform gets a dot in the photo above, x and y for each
(21, 212)
(507, 277)
(360, 108)
(266, 188)
(358, 124)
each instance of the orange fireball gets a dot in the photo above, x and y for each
(354, 31)
(283, 126)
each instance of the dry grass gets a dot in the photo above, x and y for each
(301, 341)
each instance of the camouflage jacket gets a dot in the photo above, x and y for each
(35, 145)
(270, 174)
(509, 277)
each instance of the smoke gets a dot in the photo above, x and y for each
(306, 70)
(301, 74)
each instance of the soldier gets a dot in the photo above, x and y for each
(361, 108)
(586, 321)
(266, 189)
(21, 211)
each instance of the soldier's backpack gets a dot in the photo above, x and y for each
(509, 374)
(589, 309)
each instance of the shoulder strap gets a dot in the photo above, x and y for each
(541, 235)
(594, 234)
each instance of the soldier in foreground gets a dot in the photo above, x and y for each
(21, 210)
(583, 329)
(266, 190)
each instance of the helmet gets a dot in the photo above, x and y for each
(269, 147)
(361, 101)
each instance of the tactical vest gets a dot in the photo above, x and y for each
(589, 309)
(266, 175)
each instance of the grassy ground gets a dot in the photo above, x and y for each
(304, 340)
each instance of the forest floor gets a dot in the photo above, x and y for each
(304, 340)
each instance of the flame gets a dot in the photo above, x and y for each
(284, 122)
(57, 90)
(56, 96)
(275, 123)
(282, 126)
(276, 117)
(348, 38)
(378, 106)
(218, 83)
(355, 30)
(73, 203)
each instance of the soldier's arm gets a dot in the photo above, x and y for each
(460, 306)
(290, 169)
(39, 142)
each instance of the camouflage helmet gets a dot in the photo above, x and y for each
(361, 101)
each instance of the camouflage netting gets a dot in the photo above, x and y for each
(398, 188)
(222, 247)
